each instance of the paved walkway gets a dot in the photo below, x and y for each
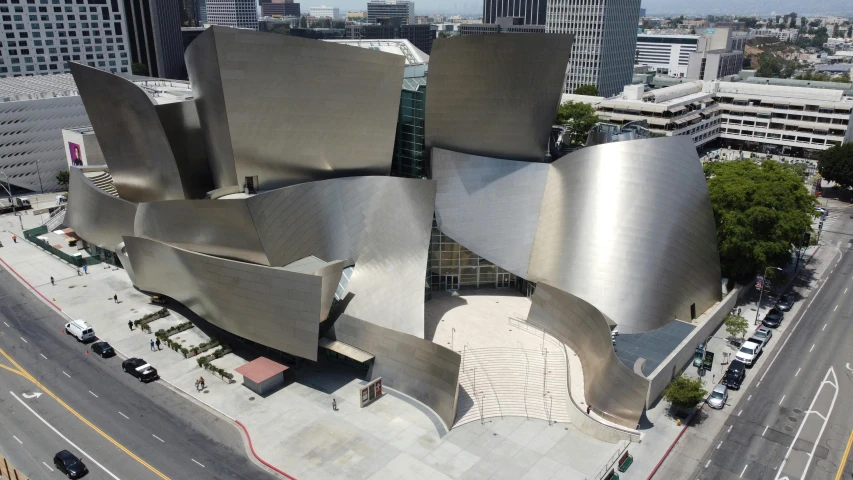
(295, 428)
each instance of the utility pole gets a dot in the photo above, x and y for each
(41, 187)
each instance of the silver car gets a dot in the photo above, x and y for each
(764, 334)
(718, 397)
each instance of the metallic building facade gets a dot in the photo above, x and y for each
(98, 217)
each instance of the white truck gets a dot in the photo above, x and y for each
(749, 352)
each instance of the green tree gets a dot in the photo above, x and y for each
(62, 178)
(685, 393)
(303, 21)
(139, 69)
(591, 90)
(840, 80)
(579, 117)
(769, 66)
(836, 164)
(760, 212)
(736, 325)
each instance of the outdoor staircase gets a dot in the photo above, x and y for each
(104, 181)
(513, 382)
(56, 219)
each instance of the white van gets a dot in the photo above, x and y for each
(81, 330)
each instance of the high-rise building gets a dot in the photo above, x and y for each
(154, 37)
(403, 9)
(605, 41)
(202, 12)
(421, 36)
(666, 54)
(284, 8)
(325, 12)
(232, 13)
(42, 39)
(718, 55)
(501, 25)
(533, 11)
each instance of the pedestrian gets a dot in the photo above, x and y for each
(588, 408)
(115, 298)
(152, 345)
(130, 325)
(86, 269)
(196, 384)
(51, 281)
(158, 344)
(78, 271)
(201, 382)
(14, 239)
(334, 405)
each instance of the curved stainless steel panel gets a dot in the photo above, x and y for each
(496, 95)
(183, 130)
(490, 206)
(121, 254)
(272, 306)
(419, 368)
(222, 228)
(131, 136)
(290, 112)
(608, 385)
(97, 217)
(629, 228)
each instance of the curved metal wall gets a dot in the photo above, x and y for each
(629, 228)
(292, 109)
(131, 136)
(419, 368)
(609, 386)
(496, 95)
(272, 306)
(97, 217)
(183, 131)
(490, 206)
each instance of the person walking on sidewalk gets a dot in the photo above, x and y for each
(115, 298)
(51, 282)
(86, 269)
(201, 382)
(158, 344)
(130, 325)
(334, 405)
(152, 345)
(14, 239)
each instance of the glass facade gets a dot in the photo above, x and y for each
(409, 158)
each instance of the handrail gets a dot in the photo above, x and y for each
(526, 377)
(489, 380)
(611, 461)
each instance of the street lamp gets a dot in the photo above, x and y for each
(8, 189)
(763, 282)
(41, 187)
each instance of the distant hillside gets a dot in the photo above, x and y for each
(761, 7)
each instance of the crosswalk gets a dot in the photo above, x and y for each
(828, 221)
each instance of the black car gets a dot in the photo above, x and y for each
(773, 318)
(140, 369)
(103, 349)
(785, 303)
(70, 465)
(734, 375)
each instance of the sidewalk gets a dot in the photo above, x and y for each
(295, 428)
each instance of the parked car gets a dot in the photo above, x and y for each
(785, 303)
(140, 369)
(760, 341)
(718, 397)
(748, 353)
(80, 330)
(103, 349)
(735, 375)
(763, 333)
(773, 318)
(69, 464)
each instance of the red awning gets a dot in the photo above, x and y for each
(260, 369)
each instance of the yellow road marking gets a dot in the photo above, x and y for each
(844, 458)
(110, 439)
(4, 367)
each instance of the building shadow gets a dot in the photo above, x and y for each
(437, 308)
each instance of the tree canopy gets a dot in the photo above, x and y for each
(836, 164)
(587, 90)
(685, 393)
(579, 117)
(761, 212)
(62, 178)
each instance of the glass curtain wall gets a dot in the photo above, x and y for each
(409, 158)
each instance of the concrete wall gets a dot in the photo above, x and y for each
(677, 360)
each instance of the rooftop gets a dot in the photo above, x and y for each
(260, 369)
(13, 89)
(414, 56)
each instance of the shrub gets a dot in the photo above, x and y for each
(685, 393)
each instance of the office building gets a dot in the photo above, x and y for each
(718, 54)
(154, 37)
(188, 34)
(202, 12)
(325, 12)
(532, 11)
(501, 25)
(42, 39)
(401, 9)
(232, 13)
(421, 36)
(280, 8)
(605, 41)
(666, 54)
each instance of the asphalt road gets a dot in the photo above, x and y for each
(122, 428)
(795, 419)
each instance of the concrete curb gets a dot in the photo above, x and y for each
(252, 448)
(683, 429)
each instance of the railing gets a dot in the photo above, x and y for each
(32, 236)
(608, 465)
(498, 400)
(526, 376)
(56, 219)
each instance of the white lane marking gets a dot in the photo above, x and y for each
(824, 327)
(831, 371)
(845, 290)
(18, 439)
(798, 372)
(765, 430)
(25, 340)
(730, 429)
(738, 413)
(791, 333)
(783, 399)
(4, 323)
(202, 466)
(706, 465)
(42, 356)
(158, 438)
(742, 471)
(719, 445)
(810, 350)
(758, 384)
(836, 308)
(64, 437)
(69, 376)
(123, 415)
(750, 398)
(48, 466)
(93, 394)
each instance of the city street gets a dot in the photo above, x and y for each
(794, 421)
(55, 396)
